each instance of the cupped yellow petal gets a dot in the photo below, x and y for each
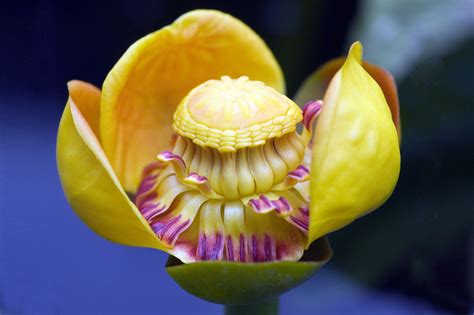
(356, 157)
(88, 180)
(315, 85)
(146, 85)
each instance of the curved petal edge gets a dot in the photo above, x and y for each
(142, 91)
(87, 178)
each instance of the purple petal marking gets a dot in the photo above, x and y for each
(262, 204)
(282, 206)
(196, 178)
(168, 156)
(156, 211)
(304, 211)
(242, 246)
(145, 199)
(202, 248)
(268, 248)
(310, 111)
(210, 247)
(301, 223)
(152, 168)
(217, 250)
(168, 230)
(281, 249)
(230, 248)
(147, 184)
(254, 248)
(171, 238)
(152, 210)
(300, 174)
(262, 249)
(161, 227)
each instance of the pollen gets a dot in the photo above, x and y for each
(229, 114)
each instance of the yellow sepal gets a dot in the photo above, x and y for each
(356, 157)
(142, 91)
(88, 180)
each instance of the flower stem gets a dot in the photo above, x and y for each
(268, 307)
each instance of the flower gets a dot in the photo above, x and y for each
(192, 147)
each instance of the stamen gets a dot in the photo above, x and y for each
(262, 204)
(235, 186)
(176, 160)
(287, 152)
(282, 206)
(301, 173)
(195, 178)
(311, 110)
(265, 205)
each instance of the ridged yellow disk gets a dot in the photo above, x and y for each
(229, 114)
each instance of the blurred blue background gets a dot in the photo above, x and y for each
(413, 256)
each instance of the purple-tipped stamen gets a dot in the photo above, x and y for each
(265, 205)
(282, 206)
(301, 173)
(168, 156)
(195, 178)
(310, 111)
(262, 204)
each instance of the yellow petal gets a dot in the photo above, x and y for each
(143, 89)
(88, 180)
(315, 85)
(356, 157)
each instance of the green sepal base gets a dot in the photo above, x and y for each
(237, 283)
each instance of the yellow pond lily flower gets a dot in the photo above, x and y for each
(192, 147)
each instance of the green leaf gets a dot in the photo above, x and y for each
(245, 283)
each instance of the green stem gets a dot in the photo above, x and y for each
(268, 307)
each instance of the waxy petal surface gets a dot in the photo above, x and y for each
(88, 180)
(144, 88)
(315, 85)
(356, 157)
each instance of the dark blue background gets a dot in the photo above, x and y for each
(413, 256)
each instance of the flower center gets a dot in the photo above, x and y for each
(231, 114)
(235, 186)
